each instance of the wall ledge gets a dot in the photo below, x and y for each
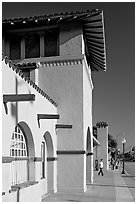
(55, 60)
(23, 185)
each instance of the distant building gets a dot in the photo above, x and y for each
(47, 103)
(101, 151)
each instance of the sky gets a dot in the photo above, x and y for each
(114, 90)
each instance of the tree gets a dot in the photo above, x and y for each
(112, 144)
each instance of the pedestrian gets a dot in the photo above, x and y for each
(101, 167)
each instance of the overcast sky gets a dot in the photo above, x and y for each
(114, 90)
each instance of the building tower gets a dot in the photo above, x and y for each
(102, 150)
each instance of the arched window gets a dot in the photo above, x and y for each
(18, 150)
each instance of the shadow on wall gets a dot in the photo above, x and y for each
(70, 32)
(14, 106)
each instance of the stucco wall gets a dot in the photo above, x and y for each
(27, 112)
(71, 173)
(71, 87)
(64, 84)
(70, 39)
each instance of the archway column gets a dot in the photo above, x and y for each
(70, 168)
(89, 169)
(50, 164)
(89, 158)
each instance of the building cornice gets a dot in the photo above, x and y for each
(54, 61)
(16, 69)
(101, 125)
(62, 61)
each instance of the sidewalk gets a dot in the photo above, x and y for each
(112, 187)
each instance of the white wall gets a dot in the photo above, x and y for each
(12, 83)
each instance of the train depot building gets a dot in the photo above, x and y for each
(47, 140)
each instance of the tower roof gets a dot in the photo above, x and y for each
(93, 31)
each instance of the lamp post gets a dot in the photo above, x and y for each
(123, 142)
(121, 134)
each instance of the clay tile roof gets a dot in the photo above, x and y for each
(92, 22)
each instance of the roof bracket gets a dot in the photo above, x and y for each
(46, 116)
(16, 98)
(63, 126)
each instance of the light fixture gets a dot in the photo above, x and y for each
(124, 140)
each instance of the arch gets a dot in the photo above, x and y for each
(49, 143)
(88, 158)
(50, 163)
(88, 147)
(30, 148)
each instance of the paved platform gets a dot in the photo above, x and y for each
(112, 187)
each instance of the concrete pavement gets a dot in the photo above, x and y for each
(112, 187)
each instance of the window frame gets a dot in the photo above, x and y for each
(20, 161)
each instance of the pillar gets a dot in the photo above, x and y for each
(70, 171)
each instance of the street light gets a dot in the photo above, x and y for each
(123, 142)
(121, 134)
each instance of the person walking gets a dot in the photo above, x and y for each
(101, 167)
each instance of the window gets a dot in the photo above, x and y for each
(51, 43)
(28, 45)
(15, 48)
(32, 46)
(18, 150)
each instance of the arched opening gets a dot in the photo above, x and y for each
(30, 148)
(88, 157)
(22, 149)
(50, 162)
